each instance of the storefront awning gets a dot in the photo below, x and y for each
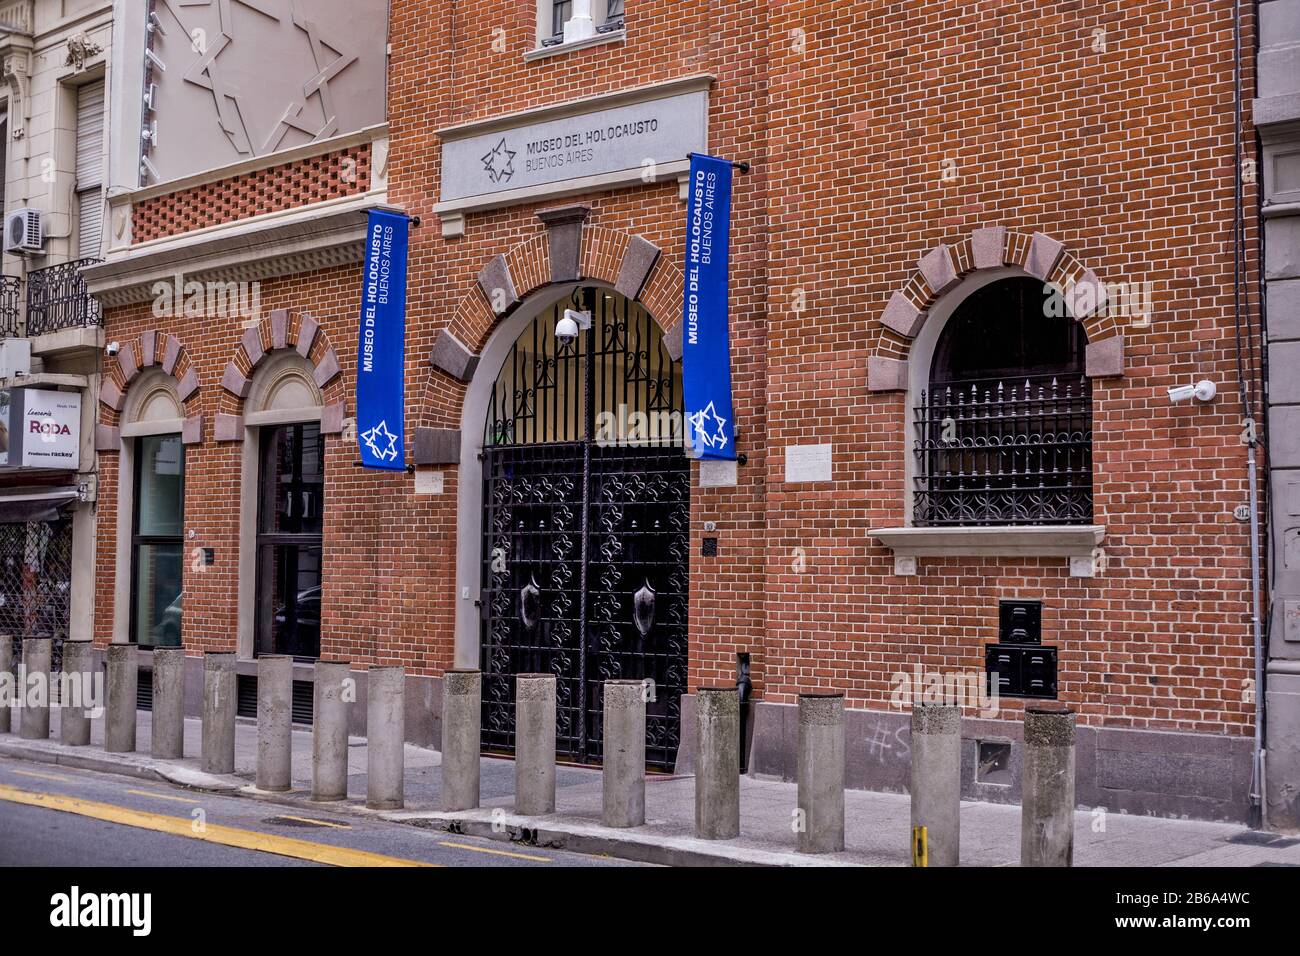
(36, 506)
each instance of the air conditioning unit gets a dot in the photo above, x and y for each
(15, 358)
(24, 233)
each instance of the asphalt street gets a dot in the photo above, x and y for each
(54, 816)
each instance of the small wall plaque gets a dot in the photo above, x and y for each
(807, 463)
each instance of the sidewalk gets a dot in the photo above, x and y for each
(877, 824)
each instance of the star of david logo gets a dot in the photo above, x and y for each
(330, 57)
(375, 440)
(708, 428)
(500, 163)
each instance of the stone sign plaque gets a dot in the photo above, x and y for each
(610, 140)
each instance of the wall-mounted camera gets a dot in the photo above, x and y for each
(112, 349)
(1202, 391)
(567, 329)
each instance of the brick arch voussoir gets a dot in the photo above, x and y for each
(281, 329)
(149, 350)
(943, 267)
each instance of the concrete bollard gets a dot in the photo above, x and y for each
(821, 772)
(936, 782)
(34, 717)
(77, 692)
(8, 698)
(274, 722)
(623, 776)
(329, 732)
(385, 734)
(462, 718)
(717, 764)
(119, 721)
(1047, 801)
(535, 743)
(167, 725)
(218, 748)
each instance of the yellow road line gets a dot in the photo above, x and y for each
(41, 776)
(322, 823)
(484, 849)
(162, 796)
(209, 833)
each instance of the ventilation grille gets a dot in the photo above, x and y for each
(246, 705)
(144, 690)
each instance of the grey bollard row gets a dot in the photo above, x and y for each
(535, 743)
(717, 759)
(119, 721)
(623, 774)
(167, 723)
(821, 772)
(274, 722)
(34, 716)
(1047, 801)
(329, 732)
(77, 692)
(936, 782)
(462, 717)
(218, 746)
(385, 733)
(7, 667)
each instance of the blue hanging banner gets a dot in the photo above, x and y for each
(381, 353)
(706, 342)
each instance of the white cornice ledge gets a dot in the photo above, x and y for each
(332, 234)
(1078, 543)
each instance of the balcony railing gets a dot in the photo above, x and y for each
(11, 288)
(57, 299)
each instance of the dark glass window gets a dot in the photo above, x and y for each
(614, 12)
(1004, 431)
(156, 541)
(290, 512)
(560, 13)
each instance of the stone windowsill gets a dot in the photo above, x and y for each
(543, 52)
(1077, 543)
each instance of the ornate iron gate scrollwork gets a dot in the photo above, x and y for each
(586, 498)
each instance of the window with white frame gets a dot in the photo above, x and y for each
(571, 21)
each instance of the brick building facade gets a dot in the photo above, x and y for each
(904, 160)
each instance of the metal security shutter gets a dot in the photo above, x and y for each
(90, 169)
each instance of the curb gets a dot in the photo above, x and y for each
(487, 822)
(593, 840)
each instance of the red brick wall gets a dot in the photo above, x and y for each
(848, 113)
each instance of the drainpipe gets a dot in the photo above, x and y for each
(1257, 798)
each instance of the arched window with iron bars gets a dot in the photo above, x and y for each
(1004, 430)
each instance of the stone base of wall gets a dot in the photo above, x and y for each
(1156, 773)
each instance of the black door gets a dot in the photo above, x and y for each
(586, 526)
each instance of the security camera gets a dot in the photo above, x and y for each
(112, 349)
(1202, 391)
(567, 329)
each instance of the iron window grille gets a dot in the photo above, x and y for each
(57, 299)
(10, 290)
(998, 452)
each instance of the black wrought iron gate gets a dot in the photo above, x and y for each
(586, 497)
(36, 582)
